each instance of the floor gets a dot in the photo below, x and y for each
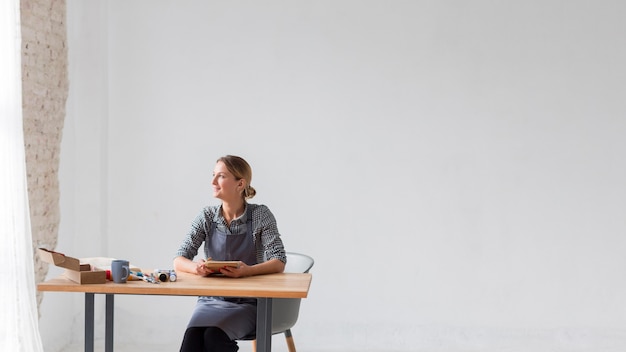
(244, 346)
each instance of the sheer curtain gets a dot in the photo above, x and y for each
(19, 330)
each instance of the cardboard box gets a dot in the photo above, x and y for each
(81, 273)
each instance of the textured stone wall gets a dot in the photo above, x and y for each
(44, 93)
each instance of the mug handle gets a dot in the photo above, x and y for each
(126, 272)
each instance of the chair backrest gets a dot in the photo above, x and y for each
(298, 263)
(285, 310)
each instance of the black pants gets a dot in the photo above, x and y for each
(207, 339)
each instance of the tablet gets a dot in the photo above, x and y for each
(216, 265)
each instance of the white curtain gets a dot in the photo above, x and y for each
(19, 330)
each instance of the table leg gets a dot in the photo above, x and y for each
(108, 335)
(89, 321)
(264, 325)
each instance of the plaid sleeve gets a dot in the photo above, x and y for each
(270, 245)
(194, 238)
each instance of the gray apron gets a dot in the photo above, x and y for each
(236, 316)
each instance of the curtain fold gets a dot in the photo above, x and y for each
(19, 326)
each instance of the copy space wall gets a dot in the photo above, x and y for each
(455, 168)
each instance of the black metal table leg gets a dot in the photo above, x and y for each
(264, 325)
(108, 341)
(89, 321)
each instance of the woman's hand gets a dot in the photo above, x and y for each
(202, 270)
(242, 270)
(269, 267)
(186, 265)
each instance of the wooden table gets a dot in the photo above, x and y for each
(262, 287)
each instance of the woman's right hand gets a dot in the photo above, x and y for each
(202, 270)
(189, 266)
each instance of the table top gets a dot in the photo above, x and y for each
(283, 285)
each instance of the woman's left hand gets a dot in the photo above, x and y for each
(240, 271)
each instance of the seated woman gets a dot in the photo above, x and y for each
(235, 230)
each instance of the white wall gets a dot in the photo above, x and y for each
(456, 168)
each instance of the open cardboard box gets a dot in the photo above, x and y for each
(82, 273)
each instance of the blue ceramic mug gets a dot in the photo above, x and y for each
(120, 271)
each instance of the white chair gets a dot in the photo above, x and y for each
(285, 310)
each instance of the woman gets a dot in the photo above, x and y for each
(234, 230)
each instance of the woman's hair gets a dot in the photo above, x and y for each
(240, 169)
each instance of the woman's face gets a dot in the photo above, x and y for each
(225, 186)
